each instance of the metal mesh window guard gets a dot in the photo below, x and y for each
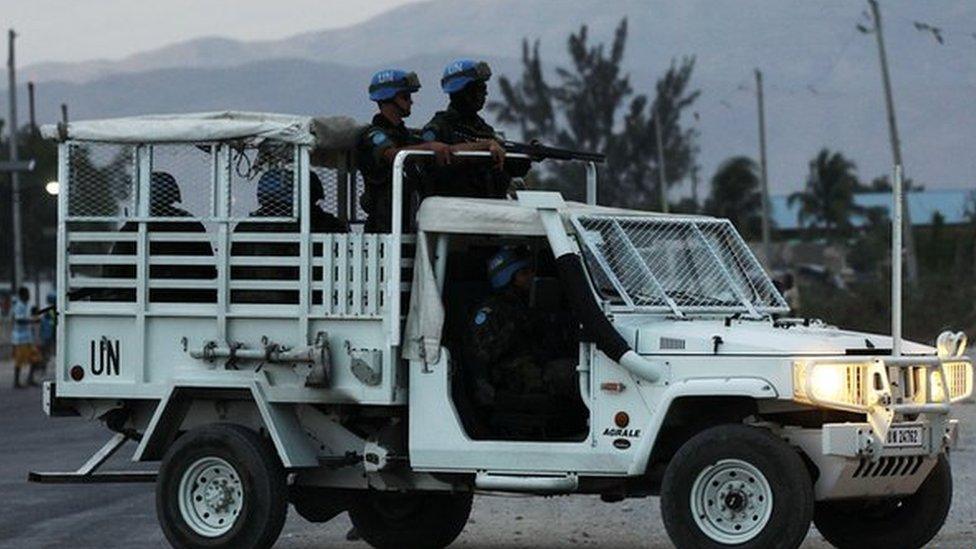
(330, 181)
(263, 182)
(101, 181)
(681, 265)
(182, 181)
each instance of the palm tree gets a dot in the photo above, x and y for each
(735, 195)
(827, 202)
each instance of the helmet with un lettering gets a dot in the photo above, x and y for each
(387, 83)
(504, 264)
(462, 72)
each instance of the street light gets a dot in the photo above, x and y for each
(52, 188)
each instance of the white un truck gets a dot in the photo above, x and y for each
(222, 309)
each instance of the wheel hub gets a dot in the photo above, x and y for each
(735, 501)
(217, 495)
(731, 501)
(211, 496)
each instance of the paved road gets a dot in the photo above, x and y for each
(123, 515)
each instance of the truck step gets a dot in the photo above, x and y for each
(536, 484)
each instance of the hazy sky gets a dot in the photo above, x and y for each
(116, 28)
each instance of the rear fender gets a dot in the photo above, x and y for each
(281, 421)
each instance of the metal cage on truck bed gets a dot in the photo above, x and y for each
(179, 257)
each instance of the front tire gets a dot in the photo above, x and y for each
(909, 521)
(221, 485)
(418, 520)
(736, 486)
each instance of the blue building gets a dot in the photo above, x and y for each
(951, 204)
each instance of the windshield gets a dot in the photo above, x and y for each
(682, 264)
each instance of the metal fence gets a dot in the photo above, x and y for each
(677, 265)
(204, 205)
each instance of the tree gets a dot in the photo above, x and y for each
(38, 209)
(871, 248)
(883, 184)
(971, 216)
(735, 195)
(827, 202)
(593, 107)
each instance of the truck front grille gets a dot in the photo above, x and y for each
(900, 466)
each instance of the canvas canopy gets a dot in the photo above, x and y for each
(330, 133)
(501, 217)
(425, 320)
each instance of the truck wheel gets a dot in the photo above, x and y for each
(221, 485)
(410, 521)
(740, 486)
(909, 521)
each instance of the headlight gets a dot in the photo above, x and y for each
(836, 385)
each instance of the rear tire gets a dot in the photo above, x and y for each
(736, 486)
(221, 485)
(908, 522)
(417, 520)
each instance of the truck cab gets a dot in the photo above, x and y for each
(262, 356)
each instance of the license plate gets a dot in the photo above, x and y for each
(904, 436)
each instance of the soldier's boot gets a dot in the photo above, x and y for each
(34, 368)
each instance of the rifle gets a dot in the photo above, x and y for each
(537, 151)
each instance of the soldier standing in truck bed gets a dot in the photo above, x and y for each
(386, 136)
(466, 82)
(379, 144)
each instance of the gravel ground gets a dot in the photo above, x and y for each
(124, 516)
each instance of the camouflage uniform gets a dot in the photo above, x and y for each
(479, 180)
(377, 200)
(503, 343)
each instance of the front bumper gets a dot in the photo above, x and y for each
(853, 461)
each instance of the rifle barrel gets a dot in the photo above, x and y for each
(543, 152)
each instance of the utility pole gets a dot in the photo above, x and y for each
(767, 252)
(911, 261)
(663, 184)
(14, 174)
(30, 104)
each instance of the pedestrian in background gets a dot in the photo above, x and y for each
(25, 353)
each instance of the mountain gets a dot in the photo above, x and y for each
(823, 86)
(295, 86)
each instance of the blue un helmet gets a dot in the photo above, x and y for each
(275, 189)
(504, 264)
(387, 83)
(462, 72)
